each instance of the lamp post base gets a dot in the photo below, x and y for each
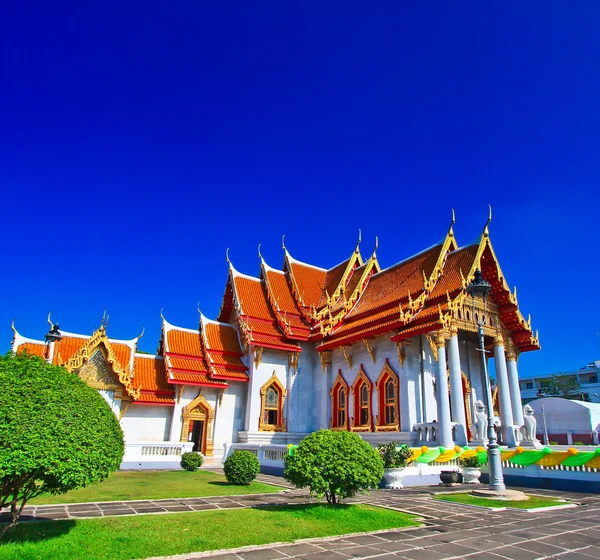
(515, 495)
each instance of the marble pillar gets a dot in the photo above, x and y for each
(515, 389)
(506, 413)
(444, 428)
(456, 388)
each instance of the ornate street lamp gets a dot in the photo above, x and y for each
(53, 335)
(480, 288)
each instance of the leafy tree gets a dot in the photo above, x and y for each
(241, 467)
(334, 464)
(564, 387)
(56, 433)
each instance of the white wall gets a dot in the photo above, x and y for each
(144, 422)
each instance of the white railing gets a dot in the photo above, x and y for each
(155, 451)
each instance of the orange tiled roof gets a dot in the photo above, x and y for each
(223, 351)
(184, 343)
(309, 282)
(286, 309)
(333, 278)
(66, 348)
(149, 375)
(393, 284)
(186, 378)
(256, 314)
(33, 348)
(451, 280)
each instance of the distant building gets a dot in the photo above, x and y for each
(587, 377)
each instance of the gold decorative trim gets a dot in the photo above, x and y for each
(258, 352)
(401, 349)
(281, 421)
(125, 404)
(199, 409)
(343, 386)
(325, 358)
(99, 340)
(432, 345)
(388, 373)
(360, 379)
(347, 356)
(293, 361)
(369, 348)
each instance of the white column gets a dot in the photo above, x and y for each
(175, 430)
(444, 430)
(288, 388)
(515, 389)
(324, 420)
(506, 416)
(456, 388)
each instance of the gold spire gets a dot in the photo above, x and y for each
(486, 230)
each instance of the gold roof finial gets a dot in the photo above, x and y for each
(259, 255)
(12, 326)
(161, 313)
(486, 230)
(227, 256)
(451, 228)
(283, 243)
(107, 318)
(359, 240)
(49, 321)
(142, 333)
(376, 242)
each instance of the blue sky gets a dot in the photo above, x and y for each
(138, 142)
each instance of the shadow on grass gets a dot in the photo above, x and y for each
(227, 484)
(320, 506)
(31, 532)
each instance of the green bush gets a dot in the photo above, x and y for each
(334, 464)
(191, 461)
(56, 433)
(394, 455)
(578, 443)
(241, 467)
(470, 462)
(554, 443)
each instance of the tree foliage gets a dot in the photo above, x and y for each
(564, 387)
(56, 433)
(241, 467)
(334, 464)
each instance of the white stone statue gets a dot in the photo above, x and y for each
(481, 421)
(528, 429)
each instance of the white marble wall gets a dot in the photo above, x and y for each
(144, 422)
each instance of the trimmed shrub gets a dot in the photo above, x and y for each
(191, 461)
(470, 462)
(394, 455)
(334, 464)
(57, 433)
(241, 467)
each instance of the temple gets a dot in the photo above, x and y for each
(390, 353)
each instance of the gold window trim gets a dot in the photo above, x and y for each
(388, 372)
(338, 384)
(362, 378)
(281, 421)
(199, 409)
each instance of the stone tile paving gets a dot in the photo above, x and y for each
(449, 531)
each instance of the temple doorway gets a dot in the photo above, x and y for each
(196, 435)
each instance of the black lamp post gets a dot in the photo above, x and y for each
(53, 335)
(480, 288)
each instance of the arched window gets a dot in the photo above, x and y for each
(388, 419)
(339, 404)
(362, 389)
(272, 396)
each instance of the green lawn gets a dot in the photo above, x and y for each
(533, 502)
(153, 485)
(125, 538)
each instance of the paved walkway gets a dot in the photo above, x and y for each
(449, 530)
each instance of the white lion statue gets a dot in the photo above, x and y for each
(481, 421)
(528, 429)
